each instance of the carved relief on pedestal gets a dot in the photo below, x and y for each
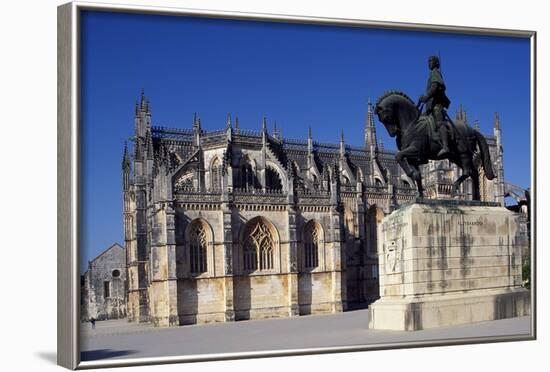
(392, 256)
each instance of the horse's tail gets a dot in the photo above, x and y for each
(485, 155)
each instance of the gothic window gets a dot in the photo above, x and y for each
(216, 175)
(249, 256)
(247, 174)
(378, 182)
(258, 247)
(197, 248)
(313, 236)
(272, 179)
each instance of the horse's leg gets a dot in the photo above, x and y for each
(468, 170)
(410, 171)
(418, 181)
(457, 183)
(475, 185)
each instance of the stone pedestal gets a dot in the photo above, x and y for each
(443, 264)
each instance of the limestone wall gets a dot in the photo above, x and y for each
(315, 293)
(201, 300)
(261, 296)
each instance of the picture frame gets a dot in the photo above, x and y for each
(69, 137)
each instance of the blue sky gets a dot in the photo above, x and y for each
(297, 75)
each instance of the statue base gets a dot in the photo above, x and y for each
(444, 264)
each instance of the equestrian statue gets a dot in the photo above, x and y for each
(432, 135)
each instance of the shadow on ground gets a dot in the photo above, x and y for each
(104, 354)
(49, 356)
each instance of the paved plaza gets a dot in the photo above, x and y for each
(118, 339)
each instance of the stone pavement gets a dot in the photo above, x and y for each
(118, 339)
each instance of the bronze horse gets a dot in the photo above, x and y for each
(418, 142)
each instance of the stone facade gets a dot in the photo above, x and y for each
(103, 294)
(448, 263)
(235, 224)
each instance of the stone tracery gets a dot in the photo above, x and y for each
(258, 246)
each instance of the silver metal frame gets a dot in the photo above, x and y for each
(68, 178)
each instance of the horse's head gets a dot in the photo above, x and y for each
(386, 115)
(395, 110)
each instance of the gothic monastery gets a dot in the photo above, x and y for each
(234, 224)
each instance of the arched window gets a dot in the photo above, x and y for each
(378, 182)
(258, 246)
(216, 175)
(272, 179)
(247, 174)
(313, 240)
(197, 247)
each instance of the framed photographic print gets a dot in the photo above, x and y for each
(235, 185)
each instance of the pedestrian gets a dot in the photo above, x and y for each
(92, 320)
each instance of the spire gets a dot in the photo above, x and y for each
(275, 132)
(476, 124)
(460, 113)
(144, 102)
(370, 129)
(309, 149)
(370, 115)
(380, 145)
(196, 122)
(228, 121)
(196, 130)
(136, 111)
(497, 121)
(264, 135)
(125, 158)
(237, 129)
(342, 144)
